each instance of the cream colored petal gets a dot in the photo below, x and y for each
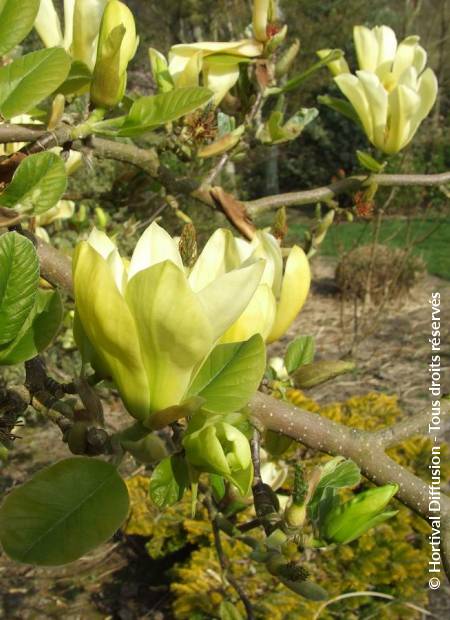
(294, 291)
(154, 246)
(245, 47)
(191, 72)
(335, 66)
(268, 248)
(377, 98)
(220, 78)
(427, 90)
(101, 243)
(260, 15)
(420, 59)
(403, 106)
(367, 48)
(387, 47)
(257, 318)
(110, 328)
(173, 328)
(404, 58)
(48, 25)
(117, 267)
(219, 256)
(352, 88)
(68, 22)
(226, 298)
(87, 18)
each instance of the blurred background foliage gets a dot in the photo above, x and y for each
(326, 150)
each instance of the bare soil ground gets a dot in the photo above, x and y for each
(119, 581)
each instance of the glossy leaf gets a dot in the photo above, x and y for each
(340, 105)
(31, 78)
(149, 112)
(300, 351)
(37, 185)
(16, 21)
(169, 481)
(19, 279)
(231, 375)
(37, 331)
(79, 77)
(63, 512)
(336, 474)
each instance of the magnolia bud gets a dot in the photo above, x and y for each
(117, 45)
(56, 112)
(284, 64)
(309, 375)
(349, 520)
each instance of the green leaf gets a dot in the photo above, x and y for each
(149, 112)
(336, 474)
(300, 351)
(63, 512)
(296, 81)
(19, 279)
(368, 162)
(340, 105)
(16, 21)
(37, 185)
(231, 375)
(228, 611)
(79, 77)
(169, 481)
(37, 331)
(275, 132)
(28, 80)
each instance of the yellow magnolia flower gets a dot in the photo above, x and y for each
(217, 62)
(117, 44)
(81, 26)
(143, 324)
(278, 298)
(392, 92)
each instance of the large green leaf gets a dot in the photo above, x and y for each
(231, 375)
(37, 331)
(37, 185)
(79, 77)
(169, 481)
(19, 279)
(28, 80)
(63, 512)
(149, 112)
(16, 21)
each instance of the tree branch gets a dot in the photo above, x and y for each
(147, 160)
(349, 185)
(361, 446)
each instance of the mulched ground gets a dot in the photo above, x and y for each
(119, 581)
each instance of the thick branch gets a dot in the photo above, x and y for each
(412, 425)
(352, 184)
(327, 436)
(56, 267)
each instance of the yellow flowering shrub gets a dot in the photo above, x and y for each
(391, 558)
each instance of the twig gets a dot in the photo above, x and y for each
(223, 559)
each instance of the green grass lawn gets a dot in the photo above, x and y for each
(434, 248)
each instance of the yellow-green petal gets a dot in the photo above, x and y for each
(294, 291)
(257, 318)
(110, 328)
(174, 331)
(155, 245)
